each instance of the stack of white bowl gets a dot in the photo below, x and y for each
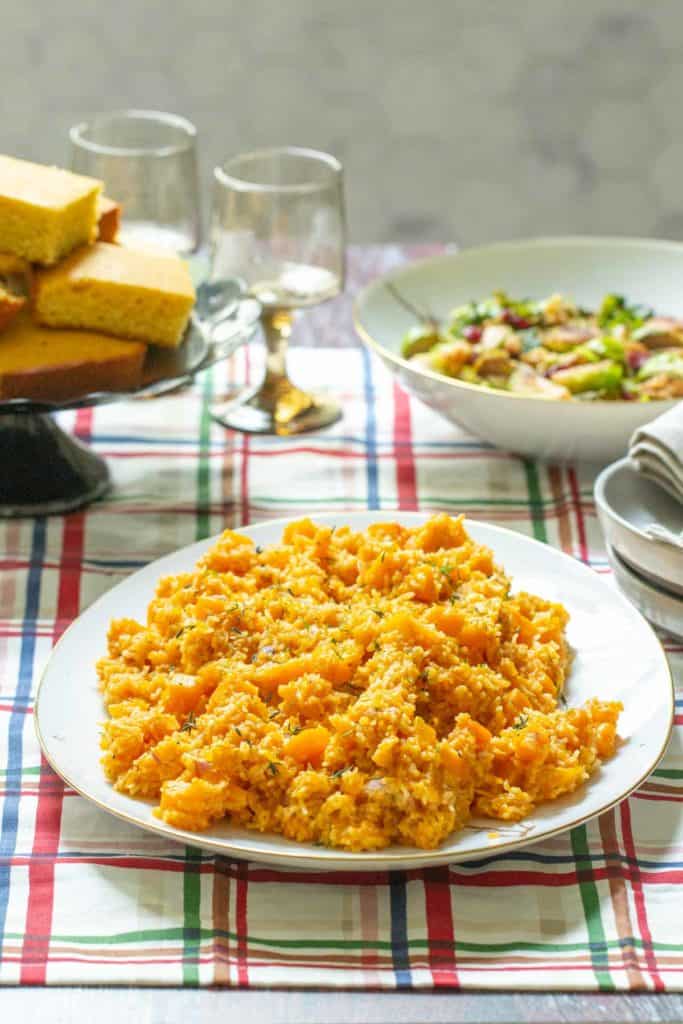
(648, 570)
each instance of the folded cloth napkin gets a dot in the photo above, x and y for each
(656, 452)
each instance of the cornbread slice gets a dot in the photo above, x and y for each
(124, 292)
(15, 273)
(10, 306)
(109, 219)
(45, 212)
(45, 364)
(15, 287)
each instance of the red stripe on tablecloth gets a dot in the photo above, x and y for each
(578, 507)
(245, 451)
(440, 929)
(242, 876)
(406, 487)
(651, 796)
(48, 824)
(242, 887)
(438, 910)
(339, 453)
(636, 879)
(260, 962)
(489, 879)
(8, 590)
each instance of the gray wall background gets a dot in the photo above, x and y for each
(466, 120)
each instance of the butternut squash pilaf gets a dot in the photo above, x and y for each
(348, 689)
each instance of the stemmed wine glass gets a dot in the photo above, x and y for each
(278, 225)
(147, 160)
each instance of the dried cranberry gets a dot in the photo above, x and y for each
(635, 359)
(520, 323)
(472, 333)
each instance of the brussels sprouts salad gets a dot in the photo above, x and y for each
(555, 349)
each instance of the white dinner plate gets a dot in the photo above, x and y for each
(645, 270)
(617, 657)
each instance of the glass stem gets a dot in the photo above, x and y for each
(277, 328)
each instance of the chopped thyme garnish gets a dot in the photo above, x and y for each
(339, 772)
(446, 569)
(521, 722)
(273, 768)
(190, 723)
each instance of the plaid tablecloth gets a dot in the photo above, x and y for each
(87, 899)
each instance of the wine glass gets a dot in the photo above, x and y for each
(148, 162)
(278, 225)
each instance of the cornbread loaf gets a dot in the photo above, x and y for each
(54, 365)
(124, 292)
(45, 212)
(109, 220)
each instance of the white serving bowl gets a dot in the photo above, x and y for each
(644, 270)
(659, 606)
(627, 504)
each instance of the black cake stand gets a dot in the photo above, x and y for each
(44, 471)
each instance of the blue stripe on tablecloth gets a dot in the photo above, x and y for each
(399, 929)
(17, 719)
(371, 432)
(152, 441)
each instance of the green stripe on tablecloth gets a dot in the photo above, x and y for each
(192, 894)
(203, 527)
(535, 499)
(590, 900)
(156, 935)
(427, 499)
(192, 879)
